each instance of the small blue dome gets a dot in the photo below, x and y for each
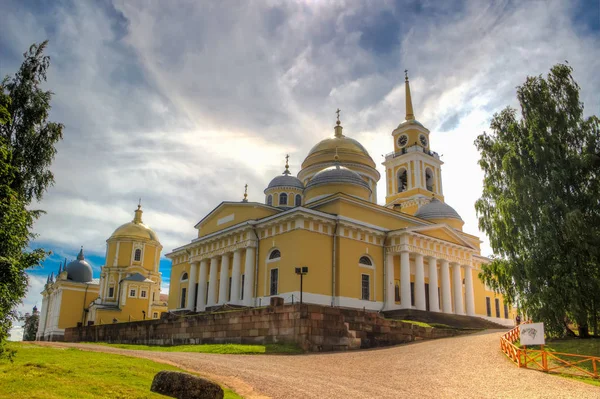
(437, 210)
(286, 181)
(79, 270)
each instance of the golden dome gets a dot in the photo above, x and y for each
(135, 229)
(348, 150)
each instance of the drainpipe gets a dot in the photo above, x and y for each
(256, 264)
(333, 262)
(83, 307)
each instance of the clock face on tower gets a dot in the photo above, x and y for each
(402, 140)
(423, 140)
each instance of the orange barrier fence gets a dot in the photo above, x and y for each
(549, 362)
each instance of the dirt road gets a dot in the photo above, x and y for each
(470, 366)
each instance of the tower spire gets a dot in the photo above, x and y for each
(409, 108)
(338, 127)
(245, 193)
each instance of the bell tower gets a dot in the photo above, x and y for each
(412, 170)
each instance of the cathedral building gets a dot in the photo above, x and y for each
(410, 253)
(128, 288)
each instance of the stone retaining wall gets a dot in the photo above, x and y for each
(312, 327)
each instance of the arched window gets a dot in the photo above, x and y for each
(402, 180)
(298, 200)
(429, 179)
(184, 276)
(138, 255)
(364, 260)
(275, 254)
(270, 200)
(282, 199)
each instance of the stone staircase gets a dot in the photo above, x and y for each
(452, 320)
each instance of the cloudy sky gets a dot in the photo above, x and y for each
(183, 102)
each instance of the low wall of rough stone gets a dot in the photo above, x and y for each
(312, 327)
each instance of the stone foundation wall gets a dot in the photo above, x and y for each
(312, 327)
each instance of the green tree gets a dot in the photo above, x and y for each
(27, 148)
(540, 203)
(30, 325)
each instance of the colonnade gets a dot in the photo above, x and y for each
(206, 270)
(450, 289)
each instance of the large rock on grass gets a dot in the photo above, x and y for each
(185, 386)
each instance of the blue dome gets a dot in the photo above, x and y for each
(337, 174)
(79, 270)
(437, 210)
(286, 181)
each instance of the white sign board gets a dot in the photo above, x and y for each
(532, 334)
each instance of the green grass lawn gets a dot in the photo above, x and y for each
(227, 349)
(53, 373)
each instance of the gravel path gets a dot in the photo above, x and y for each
(470, 366)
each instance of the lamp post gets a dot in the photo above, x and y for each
(301, 271)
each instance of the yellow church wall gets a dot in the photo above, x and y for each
(111, 252)
(125, 253)
(349, 189)
(72, 305)
(132, 310)
(293, 247)
(237, 214)
(368, 215)
(149, 256)
(349, 273)
(175, 284)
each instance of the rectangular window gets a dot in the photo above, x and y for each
(153, 296)
(366, 287)
(111, 292)
(206, 297)
(143, 294)
(488, 306)
(497, 307)
(196, 296)
(132, 293)
(505, 310)
(274, 278)
(427, 297)
(155, 315)
(397, 290)
(243, 280)
(412, 294)
(183, 295)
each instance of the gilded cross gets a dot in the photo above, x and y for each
(406, 74)
(338, 115)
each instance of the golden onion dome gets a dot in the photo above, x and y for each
(348, 150)
(135, 229)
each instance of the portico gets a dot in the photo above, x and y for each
(434, 275)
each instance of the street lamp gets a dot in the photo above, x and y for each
(301, 271)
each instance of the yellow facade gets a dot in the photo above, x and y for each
(128, 288)
(410, 253)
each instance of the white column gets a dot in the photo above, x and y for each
(191, 291)
(405, 299)
(249, 276)
(236, 277)
(458, 296)
(420, 303)
(390, 297)
(446, 295)
(202, 278)
(470, 298)
(223, 284)
(434, 301)
(212, 282)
